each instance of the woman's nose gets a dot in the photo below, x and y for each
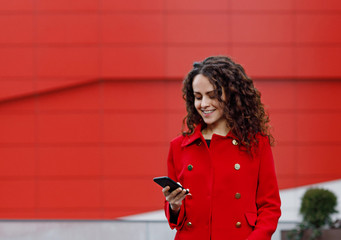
(205, 102)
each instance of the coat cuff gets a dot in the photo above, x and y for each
(259, 234)
(180, 219)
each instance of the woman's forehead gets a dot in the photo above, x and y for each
(204, 84)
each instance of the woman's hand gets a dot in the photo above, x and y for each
(175, 198)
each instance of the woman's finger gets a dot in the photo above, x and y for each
(165, 191)
(173, 194)
(181, 196)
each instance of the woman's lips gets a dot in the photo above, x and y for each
(207, 112)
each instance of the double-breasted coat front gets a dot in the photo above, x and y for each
(234, 194)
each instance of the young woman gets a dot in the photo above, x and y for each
(224, 158)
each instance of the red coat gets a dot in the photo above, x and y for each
(234, 194)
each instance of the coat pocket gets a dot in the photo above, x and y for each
(251, 218)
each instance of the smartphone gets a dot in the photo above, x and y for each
(166, 181)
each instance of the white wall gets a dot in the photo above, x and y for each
(94, 230)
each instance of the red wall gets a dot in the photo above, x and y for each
(90, 95)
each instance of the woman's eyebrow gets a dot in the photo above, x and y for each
(209, 92)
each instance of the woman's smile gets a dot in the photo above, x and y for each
(207, 113)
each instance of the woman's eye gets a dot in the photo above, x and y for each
(198, 98)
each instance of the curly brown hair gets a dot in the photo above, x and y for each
(243, 108)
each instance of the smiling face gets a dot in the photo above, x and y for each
(207, 104)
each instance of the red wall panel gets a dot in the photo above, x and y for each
(67, 61)
(318, 160)
(133, 5)
(284, 126)
(134, 127)
(261, 5)
(263, 61)
(180, 58)
(68, 127)
(197, 5)
(286, 162)
(16, 62)
(133, 62)
(17, 6)
(197, 28)
(19, 106)
(20, 194)
(17, 87)
(318, 61)
(318, 28)
(69, 193)
(122, 161)
(262, 28)
(18, 213)
(18, 128)
(174, 124)
(284, 99)
(63, 101)
(121, 193)
(318, 95)
(174, 99)
(76, 161)
(286, 34)
(67, 28)
(316, 5)
(319, 127)
(21, 33)
(65, 5)
(132, 28)
(146, 95)
(17, 162)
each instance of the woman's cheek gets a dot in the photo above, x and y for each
(197, 105)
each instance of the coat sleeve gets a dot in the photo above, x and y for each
(267, 197)
(182, 216)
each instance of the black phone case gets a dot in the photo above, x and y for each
(166, 181)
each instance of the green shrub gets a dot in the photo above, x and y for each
(317, 206)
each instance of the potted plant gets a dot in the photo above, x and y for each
(316, 208)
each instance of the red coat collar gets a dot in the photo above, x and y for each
(188, 139)
(197, 135)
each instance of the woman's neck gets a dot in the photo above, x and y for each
(221, 130)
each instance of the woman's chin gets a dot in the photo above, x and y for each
(208, 122)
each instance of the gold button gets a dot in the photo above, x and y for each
(237, 195)
(237, 166)
(238, 224)
(235, 142)
(190, 167)
(189, 224)
(198, 143)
